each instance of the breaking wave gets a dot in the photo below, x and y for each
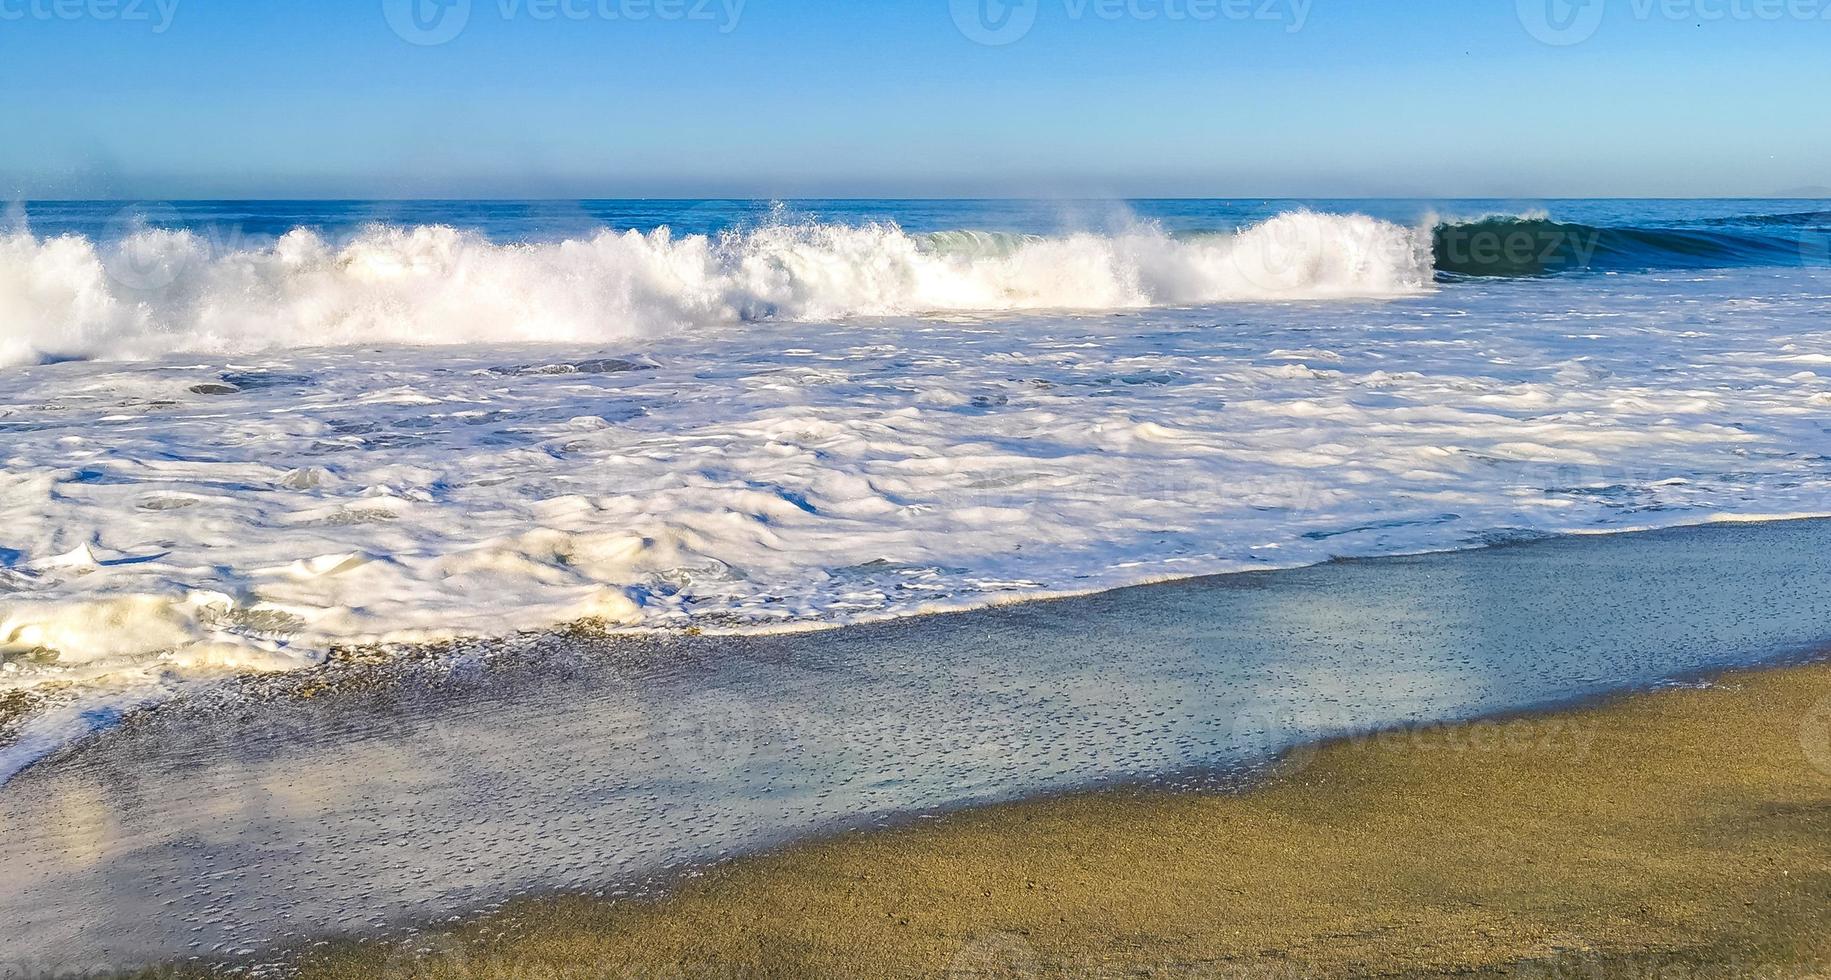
(156, 291)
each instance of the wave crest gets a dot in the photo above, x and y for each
(154, 292)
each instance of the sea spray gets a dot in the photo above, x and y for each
(151, 291)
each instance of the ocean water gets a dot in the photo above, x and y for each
(236, 435)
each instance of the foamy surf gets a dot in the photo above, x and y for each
(152, 292)
(417, 434)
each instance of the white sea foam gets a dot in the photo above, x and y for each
(154, 292)
(168, 520)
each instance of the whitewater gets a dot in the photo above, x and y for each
(221, 459)
(155, 291)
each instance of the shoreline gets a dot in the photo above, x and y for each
(1637, 836)
(585, 762)
(365, 664)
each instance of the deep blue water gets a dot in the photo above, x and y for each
(549, 220)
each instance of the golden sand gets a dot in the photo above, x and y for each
(1679, 834)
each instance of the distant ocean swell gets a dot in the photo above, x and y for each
(153, 291)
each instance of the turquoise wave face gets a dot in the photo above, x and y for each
(1532, 247)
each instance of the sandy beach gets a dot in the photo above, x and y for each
(1683, 833)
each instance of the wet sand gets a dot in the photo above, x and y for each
(233, 825)
(1684, 833)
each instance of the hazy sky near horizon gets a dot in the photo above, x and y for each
(795, 98)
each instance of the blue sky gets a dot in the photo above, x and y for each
(785, 98)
